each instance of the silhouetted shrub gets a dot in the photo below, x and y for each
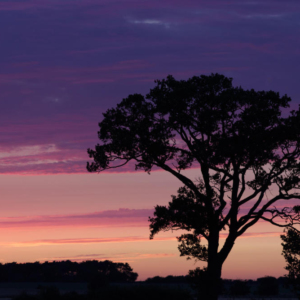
(267, 286)
(239, 288)
(197, 277)
(98, 282)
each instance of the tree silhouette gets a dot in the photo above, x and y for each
(291, 253)
(238, 140)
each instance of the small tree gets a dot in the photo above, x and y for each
(291, 253)
(238, 141)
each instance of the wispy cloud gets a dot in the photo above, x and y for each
(24, 151)
(128, 239)
(118, 218)
(113, 218)
(264, 16)
(41, 159)
(151, 22)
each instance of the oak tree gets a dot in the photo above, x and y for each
(245, 149)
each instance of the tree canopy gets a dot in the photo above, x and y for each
(247, 153)
(291, 253)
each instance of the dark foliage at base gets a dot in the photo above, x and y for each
(267, 286)
(51, 293)
(239, 288)
(264, 286)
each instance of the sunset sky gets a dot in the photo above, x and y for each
(64, 63)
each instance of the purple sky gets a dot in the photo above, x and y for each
(65, 62)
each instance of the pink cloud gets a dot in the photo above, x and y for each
(61, 150)
(87, 241)
(118, 218)
(44, 157)
(128, 239)
(69, 167)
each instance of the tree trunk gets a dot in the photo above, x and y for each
(210, 283)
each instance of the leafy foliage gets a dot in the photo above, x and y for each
(190, 246)
(291, 253)
(185, 211)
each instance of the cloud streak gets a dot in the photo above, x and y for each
(113, 218)
(87, 241)
(128, 239)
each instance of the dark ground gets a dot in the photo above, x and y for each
(9, 290)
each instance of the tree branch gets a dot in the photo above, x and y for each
(259, 214)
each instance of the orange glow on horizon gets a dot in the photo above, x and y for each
(81, 217)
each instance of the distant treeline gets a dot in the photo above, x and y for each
(67, 271)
